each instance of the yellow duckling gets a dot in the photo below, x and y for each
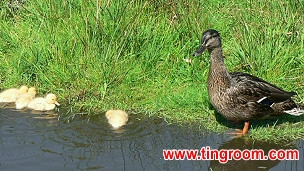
(44, 104)
(117, 118)
(24, 99)
(11, 95)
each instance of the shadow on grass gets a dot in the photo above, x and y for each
(257, 123)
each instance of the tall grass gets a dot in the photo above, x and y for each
(98, 55)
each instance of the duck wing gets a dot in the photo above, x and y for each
(247, 88)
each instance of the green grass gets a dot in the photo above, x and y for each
(97, 55)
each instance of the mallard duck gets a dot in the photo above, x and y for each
(241, 97)
(44, 104)
(11, 95)
(23, 100)
(117, 118)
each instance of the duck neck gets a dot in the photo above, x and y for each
(219, 77)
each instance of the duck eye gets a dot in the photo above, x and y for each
(205, 42)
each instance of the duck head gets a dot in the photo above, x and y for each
(52, 99)
(23, 89)
(210, 40)
(32, 90)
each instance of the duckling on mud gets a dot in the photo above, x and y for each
(44, 104)
(24, 99)
(11, 95)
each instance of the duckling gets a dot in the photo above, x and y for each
(241, 97)
(11, 95)
(23, 100)
(117, 118)
(44, 104)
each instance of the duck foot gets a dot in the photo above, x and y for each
(240, 132)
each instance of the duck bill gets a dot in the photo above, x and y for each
(56, 103)
(199, 51)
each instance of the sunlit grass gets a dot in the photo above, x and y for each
(97, 55)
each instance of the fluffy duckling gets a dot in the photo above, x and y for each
(24, 99)
(11, 95)
(117, 118)
(44, 104)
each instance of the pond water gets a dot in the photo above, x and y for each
(39, 142)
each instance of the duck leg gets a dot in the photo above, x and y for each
(246, 127)
(242, 132)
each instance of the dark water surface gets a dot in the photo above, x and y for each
(36, 142)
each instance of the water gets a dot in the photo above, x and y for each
(38, 142)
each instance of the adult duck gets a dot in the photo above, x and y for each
(241, 97)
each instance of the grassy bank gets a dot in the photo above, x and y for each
(97, 55)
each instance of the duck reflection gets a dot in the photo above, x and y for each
(245, 143)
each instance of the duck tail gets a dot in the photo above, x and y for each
(295, 111)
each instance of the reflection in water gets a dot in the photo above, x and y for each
(242, 144)
(35, 142)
